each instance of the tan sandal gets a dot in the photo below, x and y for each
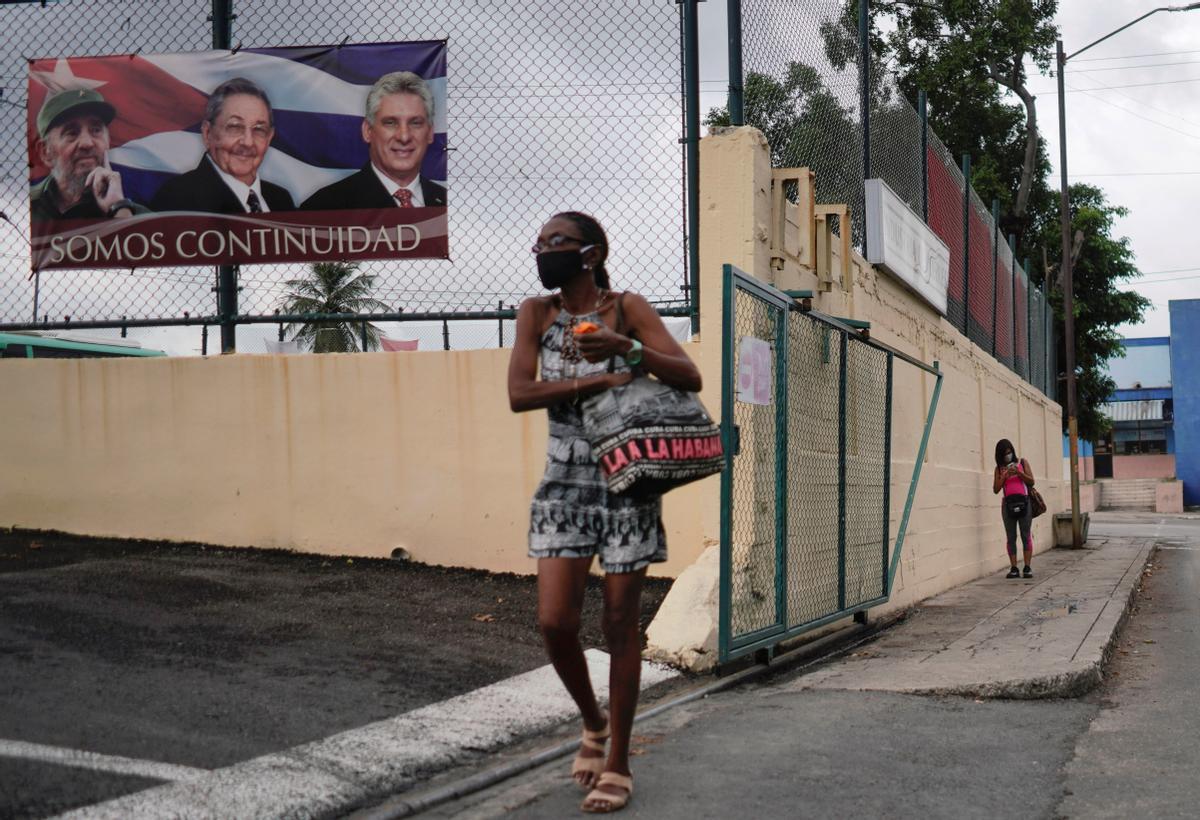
(592, 766)
(602, 802)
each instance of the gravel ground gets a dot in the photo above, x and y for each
(205, 656)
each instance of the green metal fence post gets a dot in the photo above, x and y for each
(842, 472)
(887, 472)
(912, 488)
(966, 220)
(737, 112)
(691, 83)
(923, 110)
(995, 267)
(781, 465)
(227, 289)
(1028, 323)
(729, 443)
(1012, 291)
(864, 71)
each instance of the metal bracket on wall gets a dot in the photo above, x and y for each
(805, 203)
(825, 241)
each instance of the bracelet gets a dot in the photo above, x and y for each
(119, 205)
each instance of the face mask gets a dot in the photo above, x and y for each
(556, 268)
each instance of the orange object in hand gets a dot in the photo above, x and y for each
(586, 327)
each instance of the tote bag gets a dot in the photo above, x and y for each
(650, 437)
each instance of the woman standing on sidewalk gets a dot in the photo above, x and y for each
(1015, 477)
(573, 517)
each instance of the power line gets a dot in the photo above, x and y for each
(1143, 65)
(1054, 92)
(1133, 56)
(1141, 173)
(1172, 270)
(1135, 282)
(1093, 94)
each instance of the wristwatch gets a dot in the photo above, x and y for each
(118, 205)
(634, 354)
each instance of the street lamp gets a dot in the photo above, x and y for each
(1068, 286)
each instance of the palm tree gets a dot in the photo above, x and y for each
(332, 287)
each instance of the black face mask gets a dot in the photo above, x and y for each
(556, 268)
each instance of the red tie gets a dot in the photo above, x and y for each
(404, 197)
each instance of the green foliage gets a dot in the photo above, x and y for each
(1103, 262)
(332, 287)
(965, 54)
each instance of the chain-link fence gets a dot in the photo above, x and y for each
(806, 533)
(575, 107)
(803, 87)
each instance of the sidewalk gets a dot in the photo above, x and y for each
(996, 637)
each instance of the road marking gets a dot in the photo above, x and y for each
(348, 769)
(98, 762)
(1186, 549)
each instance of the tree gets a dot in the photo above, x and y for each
(1102, 262)
(966, 54)
(332, 287)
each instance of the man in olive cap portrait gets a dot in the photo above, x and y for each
(73, 141)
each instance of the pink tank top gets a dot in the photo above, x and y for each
(1014, 485)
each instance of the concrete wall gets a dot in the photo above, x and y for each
(1087, 460)
(956, 533)
(1147, 466)
(1168, 497)
(1185, 378)
(1146, 363)
(353, 454)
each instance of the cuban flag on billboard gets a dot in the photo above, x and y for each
(317, 98)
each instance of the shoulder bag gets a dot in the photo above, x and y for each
(650, 437)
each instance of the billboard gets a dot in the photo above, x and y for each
(250, 156)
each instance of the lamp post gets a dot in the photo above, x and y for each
(1068, 286)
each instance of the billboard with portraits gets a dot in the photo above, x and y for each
(252, 156)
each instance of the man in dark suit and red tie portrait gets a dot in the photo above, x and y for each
(237, 130)
(398, 130)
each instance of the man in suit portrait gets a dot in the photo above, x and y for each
(237, 130)
(398, 130)
(73, 142)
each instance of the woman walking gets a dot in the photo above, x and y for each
(573, 518)
(1015, 477)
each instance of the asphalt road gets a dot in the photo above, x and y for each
(1141, 755)
(1127, 750)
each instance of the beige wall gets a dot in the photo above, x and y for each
(348, 454)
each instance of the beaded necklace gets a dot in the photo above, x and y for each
(570, 345)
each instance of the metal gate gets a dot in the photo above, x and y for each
(805, 495)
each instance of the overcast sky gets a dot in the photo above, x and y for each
(1141, 144)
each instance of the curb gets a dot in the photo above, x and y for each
(1070, 684)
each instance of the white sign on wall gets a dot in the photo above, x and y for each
(900, 242)
(754, 371)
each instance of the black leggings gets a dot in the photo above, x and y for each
(1025, 522)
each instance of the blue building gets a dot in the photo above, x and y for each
(1155, 409)
(1185, 382)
